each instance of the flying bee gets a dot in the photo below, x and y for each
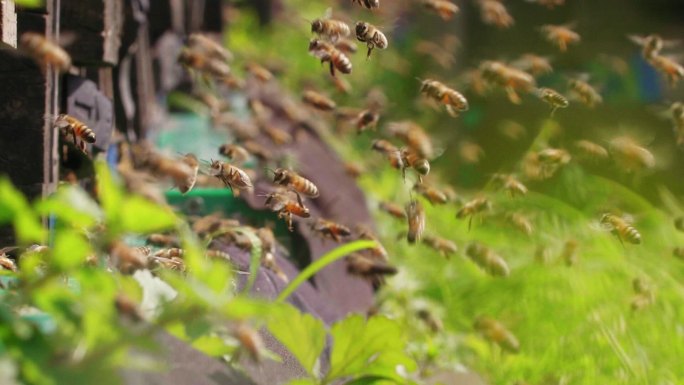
(295, 182)
(416, 221)
(231, 176)
(218, 254)
(512, 80)
(182, 171)
(44, 52)
(236, 153)
(411, 159)
(392, 209)
(259, 72)
(128, 259)
(645, 295)
(542, 255)
(488, 260)
(326, 52)
(370, 4)
(330, 28)
(585, 92)
(622, 228)
(522, 223)
(679, 223)
(369, 34)
(278, 135)
(393, 154)
(193, 59)
(378, 252)
(170, 253)
(211, 47)
(318, 101)
(651, 44)
(569, 252)
(553, 98)
(445, 247)
(470, 152)
(354, 169)
(672, 70)
(5, 262)
(535, 64)
(493, 12)
(250, 340)
(511, 184)
(444, 8)
(163, 240)
(430, 319)
(268, 261)
(431, 193)
(629, 155)
(560, 35)
(79, 131)
(125, 306)
(454, 101)
(591, 149)
(286, 207)
(363, 266)
(677, 116)
(414, 136)
(330, 229)
(495, 332)
(472, 208)
(554, 156)
(346, 45)
(257, 150)
(366, 119)
(512, 130)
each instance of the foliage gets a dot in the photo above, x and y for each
(59, 322)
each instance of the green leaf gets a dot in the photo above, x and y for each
(109, 192)
(302, 334)
(363, 347)
(139, 215)
(70, 250)
(29, 3)
(15, 208)
(325, 260)
(302, 381)
(212, 345)
(71, 205)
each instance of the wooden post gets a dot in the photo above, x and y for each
(96, 26)
(8, 23)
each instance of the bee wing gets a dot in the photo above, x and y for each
(328, 13)
(671, 43)
(637, 39)
(598, 226)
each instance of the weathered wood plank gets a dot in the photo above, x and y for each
(8, 23)
(96, 26)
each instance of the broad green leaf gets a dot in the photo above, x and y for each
(29, 3)
(142, 216)
(28, 228)
(364, 347)
(70, 250)
(109, 193)
(71, 205)
(241, 308)
(212, 345)
(302, 334)
(15, 208)
(325, 260)
(302, 381)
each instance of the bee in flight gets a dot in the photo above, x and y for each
(231, 176)
(296, 183)
(330, 28)
(370, 4)
(560, 35)
(444, 8)
(79, 131)
(318, 101)
(454, 101)
(493, 12)
(326, 52)
(286, 207)
(416, 221)
(472, 208)
(488, 260)
(44, 52)
(372, 36)
(553, 98)
(330, 229)
(497, 333)
(622, 228)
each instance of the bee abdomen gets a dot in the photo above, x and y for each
(633, 235)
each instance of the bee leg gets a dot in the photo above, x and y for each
(370, 49)
(470, 222)
(512, 95)
(299, 199)
(332, 69)
(553, 110)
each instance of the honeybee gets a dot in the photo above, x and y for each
(585, 92)
(392, 153)
(125, 306)
(414, 136)
(496, 332)
(651, 44)
(444, 8)
(330, 229)
(369, 34)
(361, 265)
(535, 64)
(377, 252)
(241, 129)
(512, 130)
(250, 340)
(366, 119)
(522, 223)
(392, 209)
(411, 159)
(268, 261)
(553, 98)
(211, 47)
(621, 227)
(295, 182)
(542, 255)
(278, 136)
(445, 247)
(569, 253)
(454, 101)
(318, 101)
(560, 35)
(668, 67)
(194, 59)
(677, 110)
(488, 260)
(44, 52)
(330, 28)
(679, 223)
(236, 153)
(173, 252)
(5, 262)
(510, 79)
(163, 240)
(441, 52)
(259, 72)
(472, 208)
(354, 169)
(79, 131)
(183, 172)
(212, 223)
(326, 52)
(511, 184)
(645, 295)
(346, 45)
(257, 150)
(432, 194)
(631, 156)
(493, 12)
(218, 254)
(553, 156)
(370, 4)
(231, 176)
(416, 221)
(591, 149)
(281, 203)
(128, 259)
(470, 152)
